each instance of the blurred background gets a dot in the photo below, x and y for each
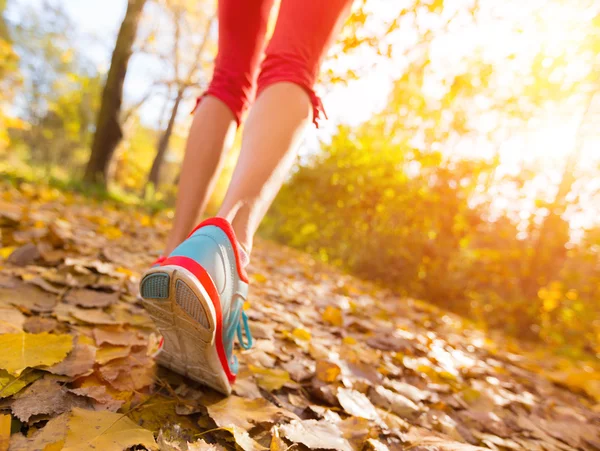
(460, 163)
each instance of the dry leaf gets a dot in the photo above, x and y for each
(357, 404)
(53, 432)
(246, 413)
(327, 371)
(116, 335)
(9, 384)
(102, 399)
(243, 439)
(316, 435)
(388, 400)
(11, 320)
(5, 421)
(39, 324)
(79, 362)
(23, 350)
(29, 297)
(44, 396)
(333, 315)
(105, 354)
(106, 431)
(91, 298)
(270, 379)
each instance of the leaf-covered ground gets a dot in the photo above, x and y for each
(337, 363)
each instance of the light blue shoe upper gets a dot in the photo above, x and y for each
(210, 247)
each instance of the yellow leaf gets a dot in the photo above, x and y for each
(23, 350)
(4, 432)
(333, 316)
(9, 385)
(327, 371)
(270, 379)
(301, 334)
(260, 278)
(106, 431)
(6, 251)
(105, 354)
(349, 340)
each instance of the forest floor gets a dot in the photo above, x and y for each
(337, 363)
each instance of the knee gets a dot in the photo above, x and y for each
(234, 88)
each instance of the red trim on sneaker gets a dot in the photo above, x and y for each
(208, 284)
(159, 260)
(225, 226)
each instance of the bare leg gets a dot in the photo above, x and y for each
(213, 124)
(271, 136)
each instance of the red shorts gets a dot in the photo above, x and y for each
(304, 31)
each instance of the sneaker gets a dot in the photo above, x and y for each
(195, 297)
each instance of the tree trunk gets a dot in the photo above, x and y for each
(108, 127)
(163, 144)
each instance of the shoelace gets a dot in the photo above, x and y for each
(247, 343)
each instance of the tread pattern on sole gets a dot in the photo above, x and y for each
(155, 286)
(185, 348)
(188, 301)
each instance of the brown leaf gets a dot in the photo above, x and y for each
(92, 316)
(24, 255)
(388, 400)
(11, 319)
(39, 324)
(91, 298)
(53, 432)
(315, 434)
(29, 297)
(327, 371)
(116, 335)
(137, 378)
(44, 396)
(246, 413)
(80, 361)
(389, 342)
(102, 399)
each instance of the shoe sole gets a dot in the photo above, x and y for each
(185, 316)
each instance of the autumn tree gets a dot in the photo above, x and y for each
(187, 63)
(108, 132)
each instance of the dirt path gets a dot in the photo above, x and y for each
(336, 364)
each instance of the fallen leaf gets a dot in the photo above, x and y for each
(106, 431)
(29, 297)
(23, 350)
(105, 354)
(102, 399)
(315, 434)
(91, 298)
(243, 439)
(80, 361)
(9, 384)
(92, 316)
(53, 432)
(39, 324)
(388, 400)
(116, 335)
(24, 255)
(327, 371)
(11, 319)
(44, 396)
(5, 421)
(356, 404)
(246, 413)
(270, 379)
(333, 315)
